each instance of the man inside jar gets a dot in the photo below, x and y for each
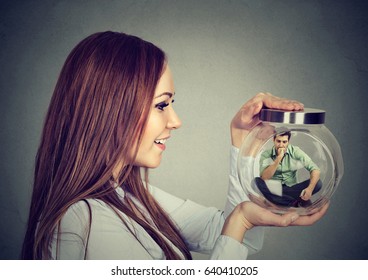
(281, 164)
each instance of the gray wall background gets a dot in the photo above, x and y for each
(221, 54)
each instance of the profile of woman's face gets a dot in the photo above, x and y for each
(162, 119)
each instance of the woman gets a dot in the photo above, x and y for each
(110, 116)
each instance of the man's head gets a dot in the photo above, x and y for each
(281, 140)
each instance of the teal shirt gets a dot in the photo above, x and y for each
(293, 160)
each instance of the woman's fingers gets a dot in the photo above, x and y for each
(259, 216)
(308, 220)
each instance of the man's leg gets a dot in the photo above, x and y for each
(295, 190)
(283, 200)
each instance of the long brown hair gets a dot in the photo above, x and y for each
(100, 103)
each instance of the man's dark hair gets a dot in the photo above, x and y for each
(285, 133)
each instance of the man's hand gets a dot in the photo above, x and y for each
(281, 153)
(306, 194)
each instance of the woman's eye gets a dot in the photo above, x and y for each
(161, 106)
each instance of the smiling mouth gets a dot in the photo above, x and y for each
(160, 141)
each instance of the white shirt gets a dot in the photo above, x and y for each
(200, 227)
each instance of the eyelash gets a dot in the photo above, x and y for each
(161, 106)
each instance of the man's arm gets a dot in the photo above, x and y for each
(314, 177)
(314, 171)
(269, 171)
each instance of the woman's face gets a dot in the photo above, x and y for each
(161, 120)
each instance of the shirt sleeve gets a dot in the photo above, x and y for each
(227, 248)
(201, 227)
(236, 194)
(265, 161)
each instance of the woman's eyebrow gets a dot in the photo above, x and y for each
(165, 93)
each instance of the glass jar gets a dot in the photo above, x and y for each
(287, 154)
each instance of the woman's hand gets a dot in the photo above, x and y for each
(247, 116)
(248, 214)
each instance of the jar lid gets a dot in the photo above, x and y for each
(306, 116)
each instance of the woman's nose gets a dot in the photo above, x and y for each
(174, 121)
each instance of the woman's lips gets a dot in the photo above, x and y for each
(161, 143)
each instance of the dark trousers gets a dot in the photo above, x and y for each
(290, 195)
